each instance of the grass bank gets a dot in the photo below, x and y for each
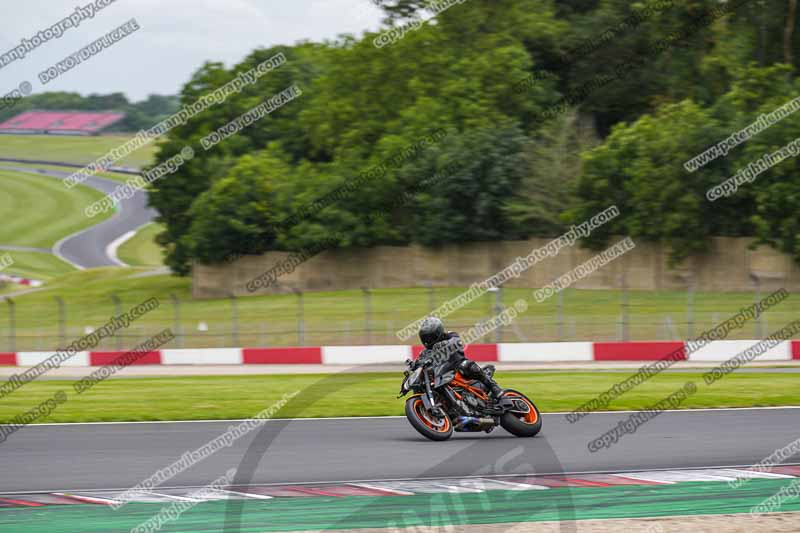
(141, 250)
(37, 211)
(369, 394)
(73, 149)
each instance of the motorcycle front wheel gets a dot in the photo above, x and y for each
(522, 424)
(428, 425)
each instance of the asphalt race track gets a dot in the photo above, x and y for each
(117, 456)
(87, 249)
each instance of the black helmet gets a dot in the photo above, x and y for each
(431, 331)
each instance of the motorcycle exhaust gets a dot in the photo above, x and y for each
(472, 423)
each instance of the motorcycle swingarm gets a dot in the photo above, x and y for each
(512, 404)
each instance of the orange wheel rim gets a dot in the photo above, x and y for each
(419, 410)
(530, 417)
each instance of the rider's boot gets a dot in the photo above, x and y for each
(494, 389)
(473, 371)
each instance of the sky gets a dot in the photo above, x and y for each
(175, 38)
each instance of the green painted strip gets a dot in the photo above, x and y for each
(297, 514)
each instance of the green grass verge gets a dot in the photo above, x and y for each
(81, 150)
(141, 249)
(332, 318)
(41, 266)
(37, 211)
(368, 394)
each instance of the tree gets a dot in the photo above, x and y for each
(460, 188)
(173, 196)
(236, 216)
(660, 81)
(776, 191)
(552, 167)
(639, 168)
(788, 33)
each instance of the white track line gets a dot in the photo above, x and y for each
(172, 497)
(60, 243)
(248, 494)
(57, 249)
(225, 420)
(357, 481)
(88, 499)
(113, 246)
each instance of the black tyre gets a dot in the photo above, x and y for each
(522, 424)
(423, 421)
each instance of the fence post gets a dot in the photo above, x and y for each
(300, 317)
(759, 323)
(625, 310)
(234, 321)
(176, 314)
(368, 313)
(12, 325)
(670, 333)
(118, 310)
(62, 322)
(690, 310)
(264, 335)
(498, 308)
(560, 315)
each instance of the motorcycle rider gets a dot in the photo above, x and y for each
(447, 346)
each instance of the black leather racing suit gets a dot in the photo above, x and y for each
(450, 351)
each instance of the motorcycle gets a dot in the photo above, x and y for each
(444, 401)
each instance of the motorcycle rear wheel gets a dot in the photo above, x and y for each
(429, 426)
(522, 425)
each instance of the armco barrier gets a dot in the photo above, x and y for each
(26, 282)
(119, 170)
(395, 354)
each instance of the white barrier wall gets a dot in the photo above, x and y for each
(719, 351)
(364, 355)
(536, 352)
(542, 352)
(207, 356)
(34, 358)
